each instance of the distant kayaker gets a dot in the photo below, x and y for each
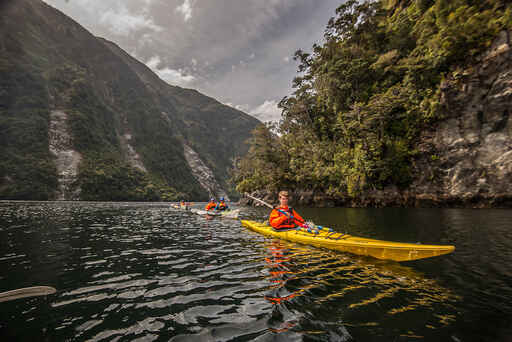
(284, 217)
(211, 205)
(222, 205)
(184, 205)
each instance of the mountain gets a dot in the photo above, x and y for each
(82, 119)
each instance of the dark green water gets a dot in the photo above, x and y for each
(146, 272)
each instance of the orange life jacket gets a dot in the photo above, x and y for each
(278, 220)
(210, 205)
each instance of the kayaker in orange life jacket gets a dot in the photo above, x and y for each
(211, 205)
(283, 216)
(222, 205)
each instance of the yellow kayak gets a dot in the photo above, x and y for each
(379, 249)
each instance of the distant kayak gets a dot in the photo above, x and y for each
(379, 249)
(233, 214)
(205, 212)
(179, 206)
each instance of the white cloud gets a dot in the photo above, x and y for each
(242, 108)
(185, 9)
(123, 22)
(147, 6)
(267, 111)
(153, 62)
(171, 76)
(175, 77)
(286, 59)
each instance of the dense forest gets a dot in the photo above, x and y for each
(362, 98)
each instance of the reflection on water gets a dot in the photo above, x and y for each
(148, 272)
(352, 288)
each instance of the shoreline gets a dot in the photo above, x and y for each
(319, 200)
(386, 199)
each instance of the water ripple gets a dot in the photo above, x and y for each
(148, 272)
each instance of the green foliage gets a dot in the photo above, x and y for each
(91, 123)
(364, 96)
(257, 170)
(27, 178)
(109, 179)
(27, 170)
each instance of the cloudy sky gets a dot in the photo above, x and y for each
(237, 51)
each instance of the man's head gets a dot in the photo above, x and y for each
(284, 196)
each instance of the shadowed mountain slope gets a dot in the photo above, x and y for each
(81, 119)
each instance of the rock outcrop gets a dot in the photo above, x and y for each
(131, 155)
(67, 159)
(466, 158)
(203, 174)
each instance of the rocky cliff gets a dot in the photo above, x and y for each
(82, 119)
(469, 152)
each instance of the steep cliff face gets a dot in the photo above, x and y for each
(81, 119)
(465, 158)
(204, 174)
(469, 152)
(67, 159)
